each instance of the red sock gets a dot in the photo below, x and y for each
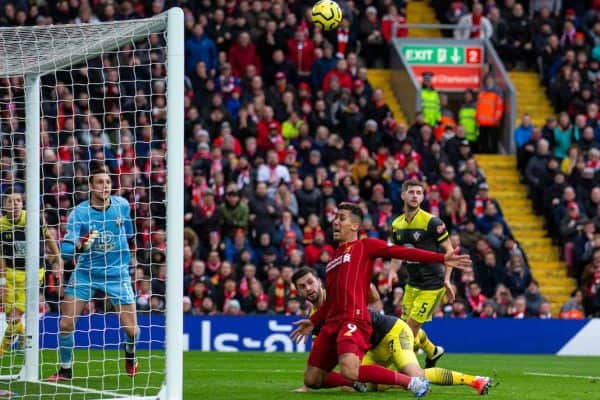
(379, 374)
(335, 379)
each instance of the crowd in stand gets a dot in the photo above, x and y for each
(281, 125)
(560, 160)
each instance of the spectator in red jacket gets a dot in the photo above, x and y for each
(341, 73)
(313, 251)
(301, 53)
(264, 127)
(390, 22)
(242, 54)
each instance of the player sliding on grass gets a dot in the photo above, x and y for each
(391, 342)
(344, 317)
(99, 234)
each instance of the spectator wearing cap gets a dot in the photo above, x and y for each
(372, 136)
(243, 53)
(279, 64)
(474, 25)
(430, 101)
(301, 53)
(489, 310)
(371, 37)
(482, 199)
(199, 47)
(235, 213)
(490, 109)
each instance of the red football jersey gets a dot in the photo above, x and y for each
(348, 276)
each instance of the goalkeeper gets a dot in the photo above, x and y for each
(99, 235)
(13, 252)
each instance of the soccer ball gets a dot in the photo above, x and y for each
(326, 14)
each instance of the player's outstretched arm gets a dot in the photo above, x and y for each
(380, 249)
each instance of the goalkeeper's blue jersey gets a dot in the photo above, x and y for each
(109, 255)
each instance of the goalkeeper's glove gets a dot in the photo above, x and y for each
(87, 241)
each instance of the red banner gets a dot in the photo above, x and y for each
(450, 78)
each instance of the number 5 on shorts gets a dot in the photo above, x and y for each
(351, 329)
(423, 308)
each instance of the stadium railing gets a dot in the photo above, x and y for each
(407, 88)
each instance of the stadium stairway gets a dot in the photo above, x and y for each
(380, 78)
(528, 228)
(531, 98)
(419, 12)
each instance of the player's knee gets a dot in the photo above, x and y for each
(66, 325)
(349, 370)
(313, 380)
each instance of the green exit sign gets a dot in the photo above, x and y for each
(442, 55)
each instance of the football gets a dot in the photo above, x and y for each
(326, 14)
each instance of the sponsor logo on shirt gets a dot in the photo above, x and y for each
(416, 236)
(344, 258)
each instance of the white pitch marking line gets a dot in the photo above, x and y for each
(562, 375)
(280, 371)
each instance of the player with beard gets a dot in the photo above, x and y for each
(344, 317)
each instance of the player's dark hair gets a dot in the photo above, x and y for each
(353, 208)
(98, 170)
(412, 182)
(302, 272)
(9, 191)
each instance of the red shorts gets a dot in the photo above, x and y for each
(337, 338)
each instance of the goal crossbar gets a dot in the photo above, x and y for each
(42, 49)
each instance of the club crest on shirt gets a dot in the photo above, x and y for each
(440, 228)
(119, 221)
(416, 236)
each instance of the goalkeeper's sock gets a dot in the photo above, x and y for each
(378, 374)
(130, 343)
(66, 342)
(422, 342)
(335, 379)
(446, 377)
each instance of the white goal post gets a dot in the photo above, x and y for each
(32, 52)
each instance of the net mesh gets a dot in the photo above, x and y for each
(103, 103)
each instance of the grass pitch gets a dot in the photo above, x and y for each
(248, 376)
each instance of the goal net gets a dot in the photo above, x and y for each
(75, 99)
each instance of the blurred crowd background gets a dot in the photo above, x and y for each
(282, 123)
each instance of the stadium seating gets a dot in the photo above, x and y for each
(315, 147)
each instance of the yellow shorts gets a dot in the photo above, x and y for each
(15, 289)
(419, 303)
(395, 349)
